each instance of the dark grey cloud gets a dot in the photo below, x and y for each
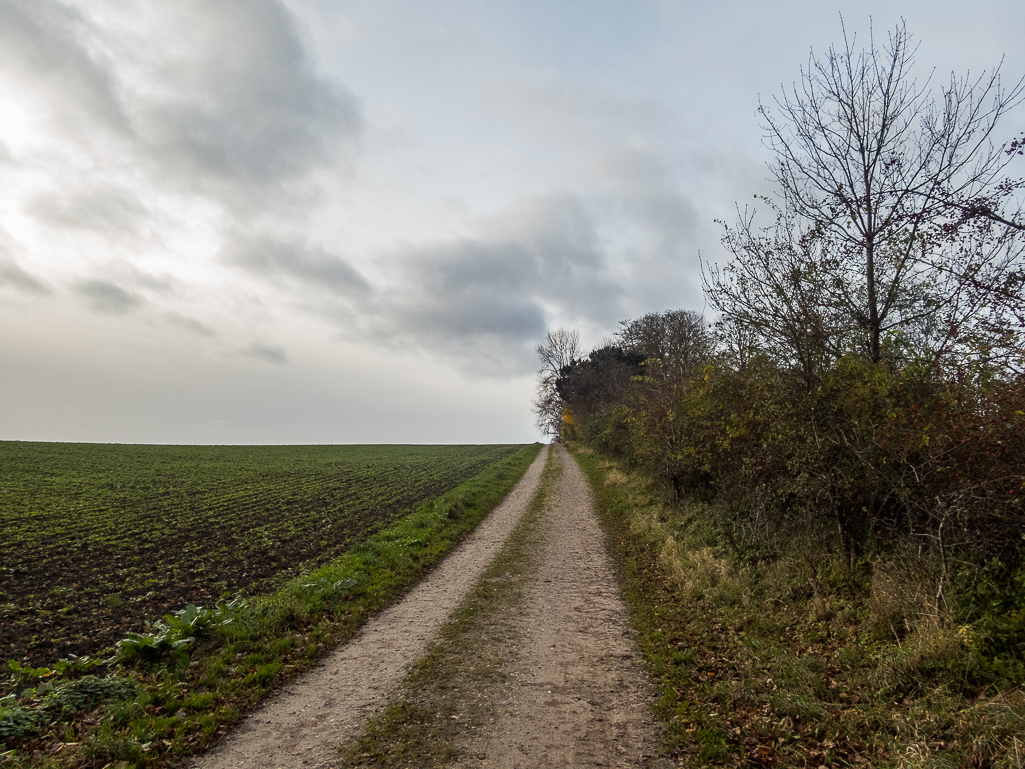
(161, 284)
(652, 194)
(485, 301)
(191, 325)
(468, 294)
(273, 354)
(670, 229)
(295, 261)
(221, 99)
(11, 274)
(110, 210)
(106, 297)
(545, 248)
(249, 108)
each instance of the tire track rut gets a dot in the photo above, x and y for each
(576, 695)
(305, 722)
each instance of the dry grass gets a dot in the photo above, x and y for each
(768, 652)
(903, 593)
(614, 478)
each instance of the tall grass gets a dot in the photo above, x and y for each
(771, 651)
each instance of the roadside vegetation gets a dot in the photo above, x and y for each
(818, 499)
(176, 685)
(776, 656)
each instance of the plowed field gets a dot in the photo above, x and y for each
(95, 539)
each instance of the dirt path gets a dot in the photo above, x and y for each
(550, 672)
(575, 695)
(304, 724)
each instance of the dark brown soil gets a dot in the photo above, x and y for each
(95, 541)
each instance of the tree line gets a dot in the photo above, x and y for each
(863, 382)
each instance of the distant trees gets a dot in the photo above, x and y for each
(863, 392)
(601, 379)
(897, 230)
(560, 349)
(663, 345)
(678, 339)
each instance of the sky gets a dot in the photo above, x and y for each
(331, 221)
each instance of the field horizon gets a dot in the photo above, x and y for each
(96, 539)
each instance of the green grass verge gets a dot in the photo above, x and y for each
(95, 539)
(186, 698)
(450, 694)
(776, 658)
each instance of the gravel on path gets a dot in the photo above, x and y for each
(576, 694)
(305, 722)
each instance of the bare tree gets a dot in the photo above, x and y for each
(559, 350)
(771, 296)
(898, 213)
(678, 339)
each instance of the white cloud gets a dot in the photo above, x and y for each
(246, 109)
(220, 99)
(399, 197)
(45, 46)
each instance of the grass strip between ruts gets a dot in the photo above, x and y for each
(450, 694)
(188, 700)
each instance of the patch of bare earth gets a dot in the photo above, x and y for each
(574, 694)
(304, 724)
(535, 667)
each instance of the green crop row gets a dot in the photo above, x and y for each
(95, 538)
(174, 688)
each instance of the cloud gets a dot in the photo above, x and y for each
(111, 210)
(646, 184)
(273, 354)
(246, 107)
(484, 301)
(164, 283)
(106, 297)
(11, 274)
(668, 228)
(297, 261)
(217, 99)
(46, 44)
(191, 325)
